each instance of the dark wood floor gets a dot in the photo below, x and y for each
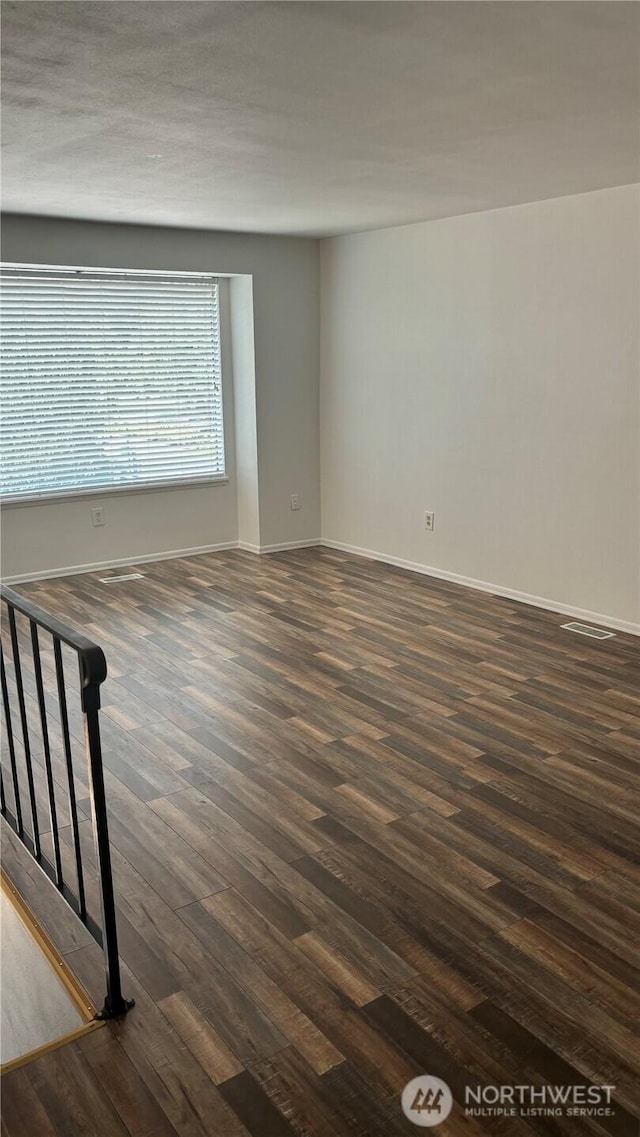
(366, 825)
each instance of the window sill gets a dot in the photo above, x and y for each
(109, 491)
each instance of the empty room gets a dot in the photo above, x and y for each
(320, 603)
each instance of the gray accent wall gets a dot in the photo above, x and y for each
(272, 442)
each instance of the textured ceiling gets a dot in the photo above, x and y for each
(313, 118)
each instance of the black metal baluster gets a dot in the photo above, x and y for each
(73, 808)
(53, 813)
(25, 733)
(3, 801)
(12, 749)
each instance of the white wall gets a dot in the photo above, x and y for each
(285, 296)
(486, 367)
(243, 352)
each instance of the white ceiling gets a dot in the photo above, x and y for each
(313, 118)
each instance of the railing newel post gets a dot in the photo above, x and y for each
(115, 1004)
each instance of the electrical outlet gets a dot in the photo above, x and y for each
(294, 501)
(429, 521)
(97, 516)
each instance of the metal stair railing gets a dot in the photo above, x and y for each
(29, 776)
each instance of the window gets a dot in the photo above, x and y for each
(109, 380)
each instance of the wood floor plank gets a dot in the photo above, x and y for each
(202, 1039)
(296, 1026)
(129, 1096)
(62, 1077)
(254, 1108)
(22, 1110)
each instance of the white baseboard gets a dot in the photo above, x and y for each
(147, 558)
(484, 586)
(309, 544)
(583, 614)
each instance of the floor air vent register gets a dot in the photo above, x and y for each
(119, 579)
(587, 630)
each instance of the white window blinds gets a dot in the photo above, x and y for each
(108, 381)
